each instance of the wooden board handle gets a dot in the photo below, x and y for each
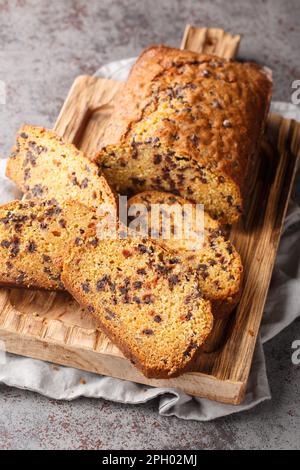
(211, 41)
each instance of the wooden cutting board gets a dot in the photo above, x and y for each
(52, 327)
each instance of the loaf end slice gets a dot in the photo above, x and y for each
(44, 166)
(216, 262)
(144, 301)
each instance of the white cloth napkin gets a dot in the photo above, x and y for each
(282, 308)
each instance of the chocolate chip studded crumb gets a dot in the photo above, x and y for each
(148, 321)
(216, 260)
(34, 241)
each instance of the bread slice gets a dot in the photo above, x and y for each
(34, 237)
(44, 166)
(188, 124)
(216, 261)
(144, 301)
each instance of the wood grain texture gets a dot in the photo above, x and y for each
(53, 327)
(211, 40)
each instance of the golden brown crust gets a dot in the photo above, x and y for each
(208, 109)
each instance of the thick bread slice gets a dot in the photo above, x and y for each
(34, 238)
(44, 166)
(217, 263)
(188, 124)
(144, 301)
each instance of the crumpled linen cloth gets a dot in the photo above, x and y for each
(282, 308)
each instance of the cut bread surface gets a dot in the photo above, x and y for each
(144, 301)
(216, 262)
(44, 166)
(34, 237)
(189, 124)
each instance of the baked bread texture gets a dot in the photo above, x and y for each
(215, 261)
(44, 166)
(34, 237)
(188, 124)
(143, 299)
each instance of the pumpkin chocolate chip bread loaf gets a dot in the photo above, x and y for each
(144, 301)
(188, 124)
(34, 237)
(215, 261)
(44, 166)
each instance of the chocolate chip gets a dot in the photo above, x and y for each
(15, 250)
(221, 179)
(229, 249)
(62, 223)
(195, 139)
(43, 226)
(27, 175)
(157, 318)
(94, 242)
(86, 287)
(138, 181)
(148, 332)
(137, 285)
(189, 349)
(74, 179)
(188, 316)
(173, 280)
(31, 247)
(90, 309)
(46, 259)
(141, 271)
(157, 159)
(100, 285)
(37, 190)
(30, 159)
(24, 135)
(136, 299)
(142, 248)
(147, 299)
(5, 243)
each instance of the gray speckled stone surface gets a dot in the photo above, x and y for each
(43, 47)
